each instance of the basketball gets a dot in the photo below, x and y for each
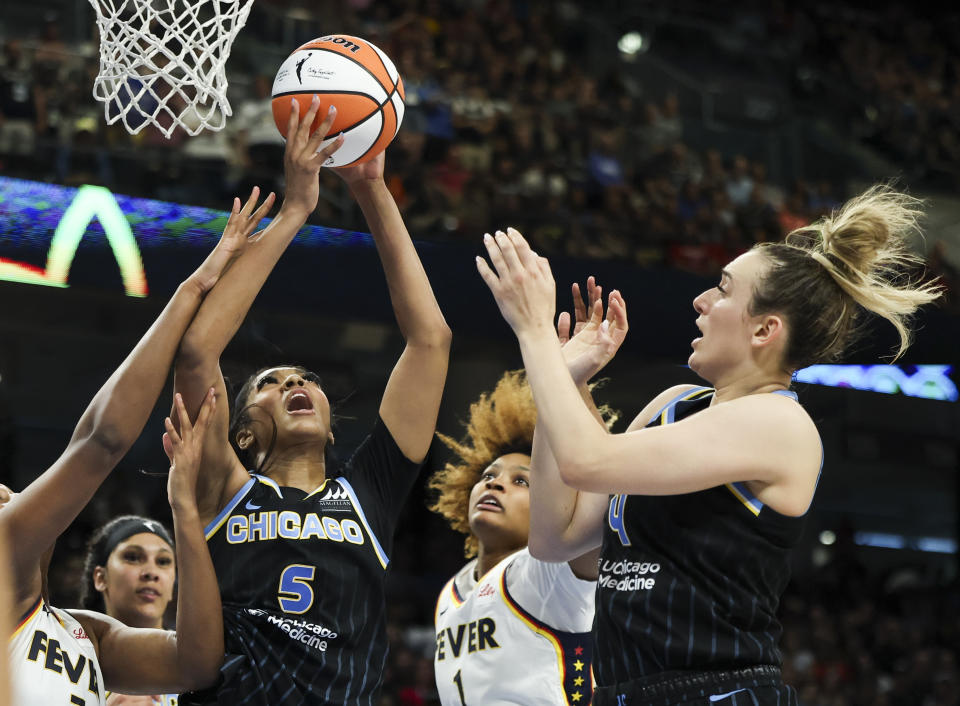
(356, 77)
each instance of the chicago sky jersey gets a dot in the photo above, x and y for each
(52, 661)
(521, 635)
(692, 581)
(302, 582)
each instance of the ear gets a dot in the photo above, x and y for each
(100, 579)
(245, 439)
(768, 330)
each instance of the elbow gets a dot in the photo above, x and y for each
(437, 337)
(574, 474)
(549, 550)
(195, 352)
(197, 676)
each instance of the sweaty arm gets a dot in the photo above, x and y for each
(411, 400)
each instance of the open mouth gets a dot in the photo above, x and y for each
(298, 402)
(489, 503)
(150, 594)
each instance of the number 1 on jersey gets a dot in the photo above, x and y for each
(295, 594)
(459, 682)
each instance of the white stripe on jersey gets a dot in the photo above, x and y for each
(52, 661)
(489, 654)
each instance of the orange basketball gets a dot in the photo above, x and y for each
(356, 77)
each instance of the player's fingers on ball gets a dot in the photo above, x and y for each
(303, 130)
(323, 129)
(321, 156)
(293, 121)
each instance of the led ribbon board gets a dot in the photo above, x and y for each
(931, 382)
(137, 233)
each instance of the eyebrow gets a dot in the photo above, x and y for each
(726, 273)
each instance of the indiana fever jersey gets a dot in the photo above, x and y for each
(521, 635)
(690, 581)
(52, 661)
(302, 582)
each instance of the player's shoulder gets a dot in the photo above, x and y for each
(660, 402)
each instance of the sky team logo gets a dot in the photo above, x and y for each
(335, 499)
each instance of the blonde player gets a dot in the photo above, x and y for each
(510, 629)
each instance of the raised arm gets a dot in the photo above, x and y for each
(198, 362)
(107, 429)
(150, 661)
(766, 439)
(411, 400)
(567, 524)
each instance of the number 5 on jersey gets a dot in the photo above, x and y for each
(296, 594)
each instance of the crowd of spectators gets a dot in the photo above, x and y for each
(898, 73)
(506, 123)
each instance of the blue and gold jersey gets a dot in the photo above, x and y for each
(302, 579)
(692, 581)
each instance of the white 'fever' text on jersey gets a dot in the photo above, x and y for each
(519, 635)
(52, 661)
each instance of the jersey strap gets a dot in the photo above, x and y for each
(667, 412)
(28, 616)
(381, 555)
(574, 651)
(218, 521)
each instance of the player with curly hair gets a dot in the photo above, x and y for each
(510, 628)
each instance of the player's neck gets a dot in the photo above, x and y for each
(301, 466)
(487, 558)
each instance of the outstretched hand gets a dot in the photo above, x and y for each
(371, 170)
(521, 282)
(595, 340)
(237, 234)
(184, 448)
(303, 157)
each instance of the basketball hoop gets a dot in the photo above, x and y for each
(162, 62)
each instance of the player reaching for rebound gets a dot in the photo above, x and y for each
(69, 657)
(510, 629)
(300, 549)
(709, 485)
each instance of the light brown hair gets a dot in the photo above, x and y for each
(825, 275)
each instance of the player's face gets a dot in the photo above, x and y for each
(500, 503)
(725, 324)
(294, 399)
(137, 582)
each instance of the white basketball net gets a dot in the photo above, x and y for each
(162, 62)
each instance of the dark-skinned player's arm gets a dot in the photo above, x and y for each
(111, 423)
(148, 661)
(198, 362)
(411, 400)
